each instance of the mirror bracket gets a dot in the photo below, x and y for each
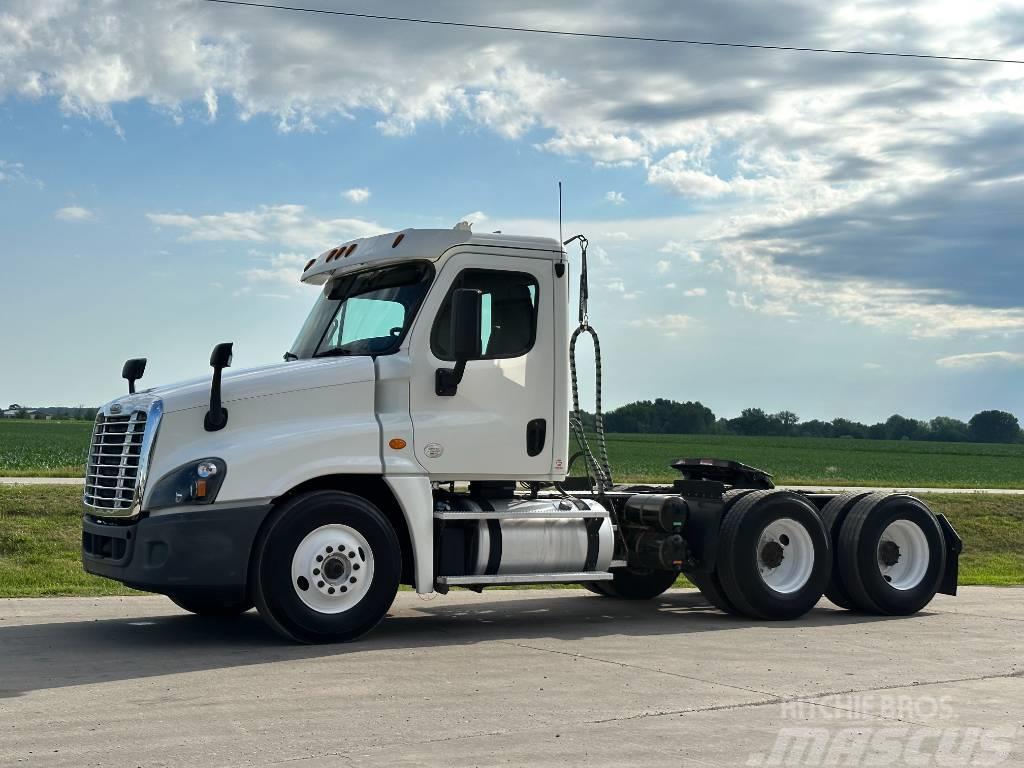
(447, 380)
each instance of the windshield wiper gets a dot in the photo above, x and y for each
(289, 356)
(336, 352)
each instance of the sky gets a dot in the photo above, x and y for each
(833, 235)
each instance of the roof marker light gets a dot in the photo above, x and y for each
(350, 250)
(400, 238)
(309, 264)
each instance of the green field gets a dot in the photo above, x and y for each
(826, 461)
(43, 448)
(58, 449)
(40, 535)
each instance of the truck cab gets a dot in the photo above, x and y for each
(416, 433)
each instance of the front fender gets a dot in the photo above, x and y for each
(273, 443)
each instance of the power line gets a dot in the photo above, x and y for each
(600, 36)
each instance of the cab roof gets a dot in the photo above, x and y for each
(407, 244)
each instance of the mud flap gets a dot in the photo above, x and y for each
(954, 546)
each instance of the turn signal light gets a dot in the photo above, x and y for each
(396, 443)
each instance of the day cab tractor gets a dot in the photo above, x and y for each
(418, 433)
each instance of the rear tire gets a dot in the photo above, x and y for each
(774, 559)
(628, 584)
(834, 515)
(211, 607)
(326, 567)
(892, 554)
(709, 584)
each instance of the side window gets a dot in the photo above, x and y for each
(508, 325)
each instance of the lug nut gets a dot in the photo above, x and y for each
(320, 584)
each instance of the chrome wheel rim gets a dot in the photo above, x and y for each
(903, 554)
(332, 568)
(785, 555)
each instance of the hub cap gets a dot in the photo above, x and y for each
(785, 555)
(903, 554)
(332, 568)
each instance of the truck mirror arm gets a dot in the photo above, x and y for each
(447, 380)
(217, 417)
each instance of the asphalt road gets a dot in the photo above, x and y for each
(523, 678)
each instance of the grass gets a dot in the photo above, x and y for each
(40, 536)
(58, 449)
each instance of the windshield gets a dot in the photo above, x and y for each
(366, 313)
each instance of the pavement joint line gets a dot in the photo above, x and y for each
(975, 615)
(771, 700)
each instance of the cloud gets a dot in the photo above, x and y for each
(288, 225)
(476, 218)
(357, 195)
(684, 251)
(696, 292)
(662, 267)
(872, 366)
(972, 360)
(279, 271)
(879, 191)
(668, 325)
(615, 198)
(73, 213)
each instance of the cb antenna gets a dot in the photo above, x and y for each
(559, 211)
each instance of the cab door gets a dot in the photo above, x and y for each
(498, 424)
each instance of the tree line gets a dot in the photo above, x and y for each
(663, 416)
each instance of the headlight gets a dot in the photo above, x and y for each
(194, 483)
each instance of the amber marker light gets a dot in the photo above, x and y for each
(398, 239)
(396, 443)
(309, 264)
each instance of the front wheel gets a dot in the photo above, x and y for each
(326, 567)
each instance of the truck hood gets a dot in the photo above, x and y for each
(272, 379)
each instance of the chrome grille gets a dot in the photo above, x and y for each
(115, 457)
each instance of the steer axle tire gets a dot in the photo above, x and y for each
(774, 558)
(891, 554)
(325, 567)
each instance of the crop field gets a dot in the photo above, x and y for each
(58, 449)
(826, 461)
(43, 448)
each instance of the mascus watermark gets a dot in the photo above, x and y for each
(895, 745)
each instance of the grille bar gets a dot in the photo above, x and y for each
(115, 459)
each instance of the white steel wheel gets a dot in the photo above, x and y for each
(785, 555)
(332, 569)
(903, 554)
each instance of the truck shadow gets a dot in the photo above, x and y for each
(56, 655)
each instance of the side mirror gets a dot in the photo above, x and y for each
(466, 321)
(133, 370)
(217, 416)
(465, 339)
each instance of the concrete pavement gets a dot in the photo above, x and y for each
(526, 677)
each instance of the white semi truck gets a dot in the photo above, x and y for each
(418, 433)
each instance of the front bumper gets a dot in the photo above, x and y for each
(201, 551)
